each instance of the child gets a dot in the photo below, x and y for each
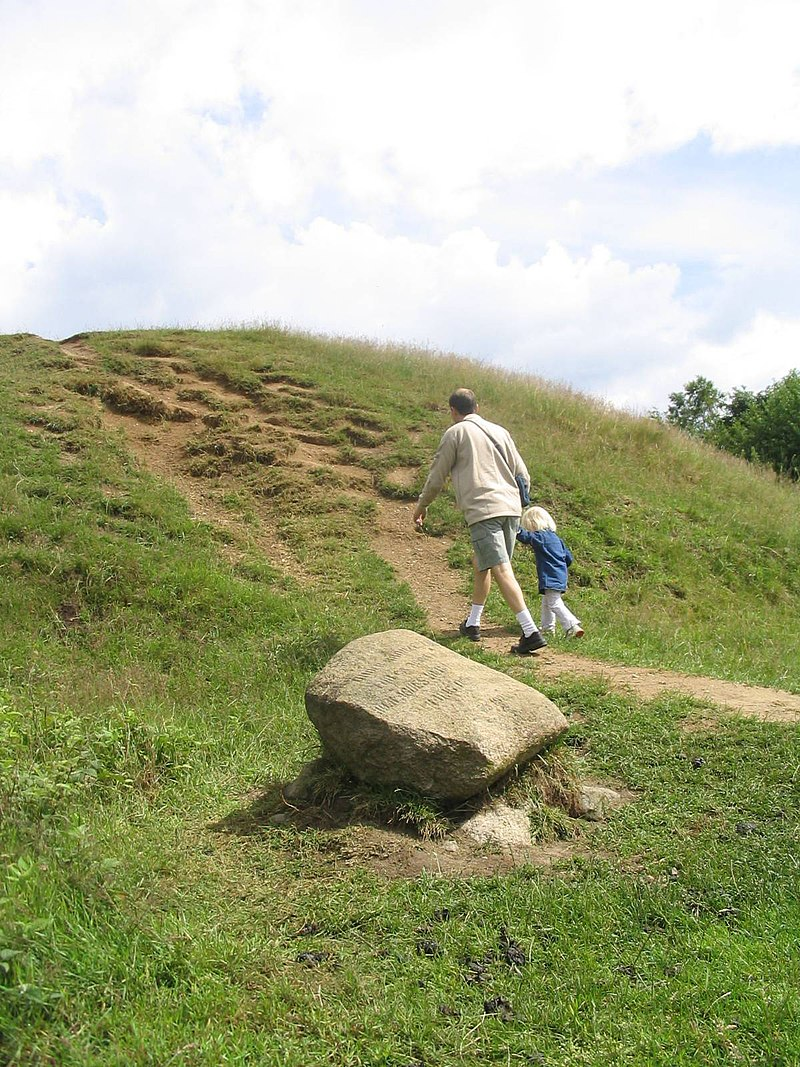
(552, 559)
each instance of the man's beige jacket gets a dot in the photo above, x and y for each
(482, 475)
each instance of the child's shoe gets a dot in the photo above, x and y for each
(548, 631)
(575, 631)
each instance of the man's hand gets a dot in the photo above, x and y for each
(419, 515)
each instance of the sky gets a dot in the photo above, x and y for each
(603, 194)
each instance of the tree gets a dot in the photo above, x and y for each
(762, 427)
(733, 433)
(697, 407)
(766, 426)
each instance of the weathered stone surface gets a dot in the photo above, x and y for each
(596, 802)
(501, 825)
(397, 709)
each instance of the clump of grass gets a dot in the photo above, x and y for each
(55, 421)
(86, 384)
(58, 362)
(49, 763)
(552, 776)
(144, 370)
(147, 348)
(180, 414)
(328, 478)
(547, 788)
(219, 450)
(331, 788)
(359, 436)
(132, 401)
(276, 377)
(203, 396)
(393, 490)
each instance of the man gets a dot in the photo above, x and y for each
(482, 461)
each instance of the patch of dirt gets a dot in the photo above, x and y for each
(421, 561)
(161, 448)
(404, 477)
(394, 854)
(344, 840)
(417, 559)
(753, 701)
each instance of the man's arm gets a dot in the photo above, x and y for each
(437, 476)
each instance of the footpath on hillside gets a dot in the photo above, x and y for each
(422, 562)
(417, 559)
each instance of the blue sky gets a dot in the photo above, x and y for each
(604, 195)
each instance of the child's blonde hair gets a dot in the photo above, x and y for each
(537, 518)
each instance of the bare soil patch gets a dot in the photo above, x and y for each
(753, 701)
(393, 854)
(421, 561)
(344, 839)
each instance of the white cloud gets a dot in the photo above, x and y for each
(754, 358)
(717, 225)
(467, 90)
(441, 172)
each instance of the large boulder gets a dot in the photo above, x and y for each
(397, 709)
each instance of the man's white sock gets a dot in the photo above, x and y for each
(475, 615)
(525, 619)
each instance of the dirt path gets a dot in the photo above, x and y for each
(418, 559)
(422, 562)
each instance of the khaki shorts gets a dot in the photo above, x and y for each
(493, 540)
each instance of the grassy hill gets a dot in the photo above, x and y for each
(154, 650)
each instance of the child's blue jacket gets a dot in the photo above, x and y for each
(552, 558)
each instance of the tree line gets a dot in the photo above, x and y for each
(762, 427)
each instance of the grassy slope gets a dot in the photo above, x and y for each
(685, 557)
(151, 701)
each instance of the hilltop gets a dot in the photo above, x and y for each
(684, 556)
(192, 523)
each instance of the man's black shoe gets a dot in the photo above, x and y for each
(528, 645)
(472, 632)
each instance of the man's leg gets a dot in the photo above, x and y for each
(531, 640)
(493, 546)
(508, 585)
(503, 574)
(481, 584)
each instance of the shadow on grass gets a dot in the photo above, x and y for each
(334, 801)
(256, 816)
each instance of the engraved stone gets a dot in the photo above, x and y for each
(397, 709)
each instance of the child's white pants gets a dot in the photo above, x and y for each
(553, 607)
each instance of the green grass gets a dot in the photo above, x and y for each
(151, 705)
(685, 557)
